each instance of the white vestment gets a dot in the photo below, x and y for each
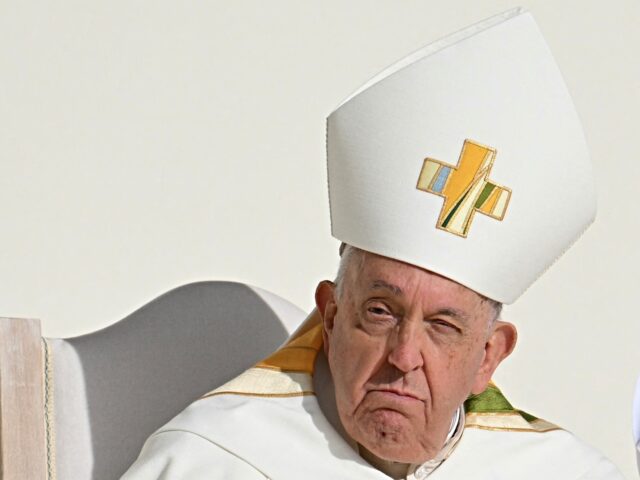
(268, 424)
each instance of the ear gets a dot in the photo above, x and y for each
(499, 345)
(326, 304)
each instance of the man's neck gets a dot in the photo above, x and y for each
(396, 470)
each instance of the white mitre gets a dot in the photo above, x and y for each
(465, 158)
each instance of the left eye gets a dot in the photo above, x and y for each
(379, 311)
(443, 324)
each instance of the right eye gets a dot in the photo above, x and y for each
(378, 318)
(378, 310)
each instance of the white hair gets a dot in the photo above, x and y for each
(348, 255)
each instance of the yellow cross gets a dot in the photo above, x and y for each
(465, 188)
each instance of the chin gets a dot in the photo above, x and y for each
(401, 453)
(390, 436)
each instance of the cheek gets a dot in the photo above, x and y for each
(475, 355)
(459, 369)
(353, 360)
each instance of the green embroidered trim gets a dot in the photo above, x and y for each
(493, 401)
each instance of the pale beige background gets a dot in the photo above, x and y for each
(148, 144)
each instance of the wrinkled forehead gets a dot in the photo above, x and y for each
(373, 272)
(370, 277)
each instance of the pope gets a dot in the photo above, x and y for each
(457, 176)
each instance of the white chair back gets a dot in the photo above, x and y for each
(109, 390)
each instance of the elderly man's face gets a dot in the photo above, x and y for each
(405, 348)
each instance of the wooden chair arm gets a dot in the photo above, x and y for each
(22, 423)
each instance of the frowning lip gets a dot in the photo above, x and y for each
(396, 393)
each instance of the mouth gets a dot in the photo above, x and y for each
(393, 394)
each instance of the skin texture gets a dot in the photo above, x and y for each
(405, 348)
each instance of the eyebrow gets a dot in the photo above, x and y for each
(381, 284)
(453, 313)
(397, 291)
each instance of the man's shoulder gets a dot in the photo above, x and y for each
(501, 437)
(182, 455)
(256, 396)
(282, 433)
(555, 454)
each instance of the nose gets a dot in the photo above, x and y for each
(405, 353)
